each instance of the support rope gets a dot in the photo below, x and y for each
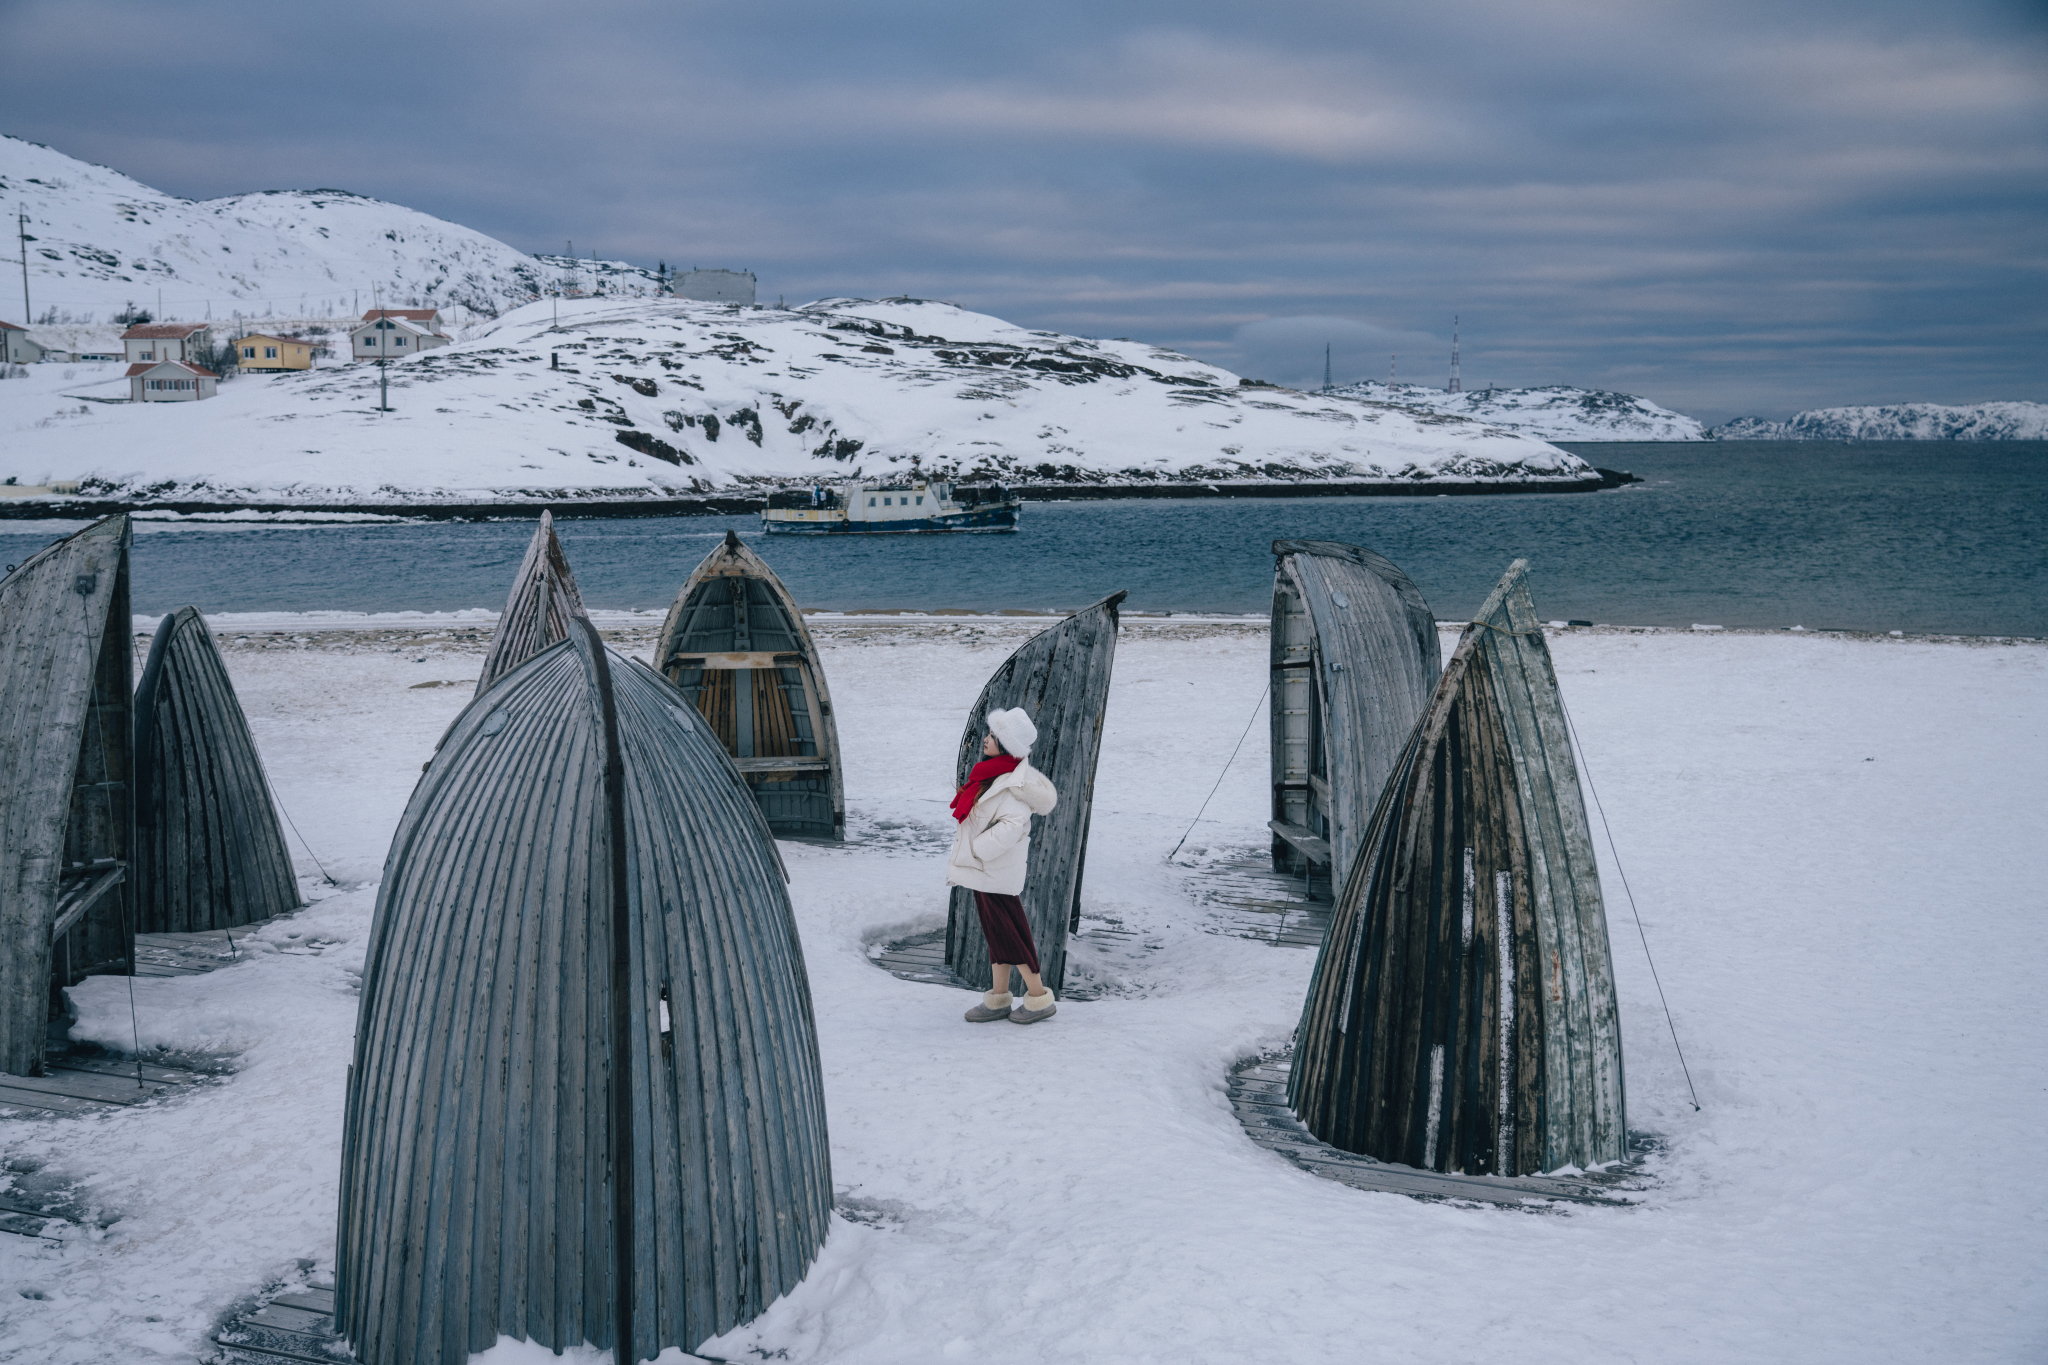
(1225, 773)
(295, 829)
(1587, 768)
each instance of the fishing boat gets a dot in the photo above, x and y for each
(1462, 1015)
(890, 508)
(538, 610)
(1060, 677)
(586, 1103)
(209, 852)
(735, 643)
(1355, 657)
(67, 825)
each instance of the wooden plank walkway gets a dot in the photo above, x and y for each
(1258, 1095)
(1248, 898)
(87, 1081)
(297, 1325)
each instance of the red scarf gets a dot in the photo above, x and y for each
(988, 770)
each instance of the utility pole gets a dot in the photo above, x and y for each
(383, 348)
(28, 317)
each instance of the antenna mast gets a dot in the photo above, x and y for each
(1327, 385)
(1457, 384)
(1390, 370)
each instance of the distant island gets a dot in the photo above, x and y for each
(1898, 422)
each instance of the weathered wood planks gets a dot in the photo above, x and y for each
(586, 1100)
(1355, 656)
(736, 644)
(538, 610)
(1462, 1016)
(1060, 677)
(66, 759)
(209, 853)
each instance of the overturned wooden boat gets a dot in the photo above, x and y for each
(542, 603)
(209, 853)
(1355, 657)
(586, 1103)
(66, 758)
(1060, 677)
(1462, 1015)
(736, 645)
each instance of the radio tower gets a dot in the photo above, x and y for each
(1327, 385)
(1457, 384)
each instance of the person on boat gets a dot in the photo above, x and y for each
(990, 851)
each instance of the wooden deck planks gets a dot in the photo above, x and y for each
(66, 758)
(528, 1150)
(1060, 678)
(1462, 1015)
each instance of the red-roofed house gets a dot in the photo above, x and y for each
(170, 381)
(192, 341)
(395, 333)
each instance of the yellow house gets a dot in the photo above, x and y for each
(259, 352)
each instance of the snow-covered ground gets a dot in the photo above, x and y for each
(661, 398)
(1898, 422)
(1835, 845)
(1555, 412)
(101, 241)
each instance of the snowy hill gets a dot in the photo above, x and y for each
(1556, 413)
(1898, 422)
(102, 241)
(658, 398)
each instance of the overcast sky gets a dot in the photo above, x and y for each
(1728, 207)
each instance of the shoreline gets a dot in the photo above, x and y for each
(468, 632)
(713, 504)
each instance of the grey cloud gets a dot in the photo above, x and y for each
(1728, 207)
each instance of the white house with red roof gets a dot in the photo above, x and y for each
(153, 341)
(394, 333)
(170, 381)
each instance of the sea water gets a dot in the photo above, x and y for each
(1946, 537)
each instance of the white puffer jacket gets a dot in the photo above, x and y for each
(993, 844)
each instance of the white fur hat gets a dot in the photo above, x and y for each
(1013, 730)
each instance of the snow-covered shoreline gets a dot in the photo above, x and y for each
(1831, 842)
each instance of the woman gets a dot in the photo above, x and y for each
(990, 850)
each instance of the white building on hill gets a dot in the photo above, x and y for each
(15, 346)
(395, 333)
(188, 341)
(715, 286)
(170, 381)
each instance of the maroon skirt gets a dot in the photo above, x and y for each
(1007, 931)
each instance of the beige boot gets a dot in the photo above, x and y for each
(994, 1005)
(1033, 1008)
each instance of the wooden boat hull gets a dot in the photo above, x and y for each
(1462, 1016)
(539, 609)
(736, 644)
(209, 852)
(1355, 657)
(66, 764)
(1060, 677)
(586, 1103)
